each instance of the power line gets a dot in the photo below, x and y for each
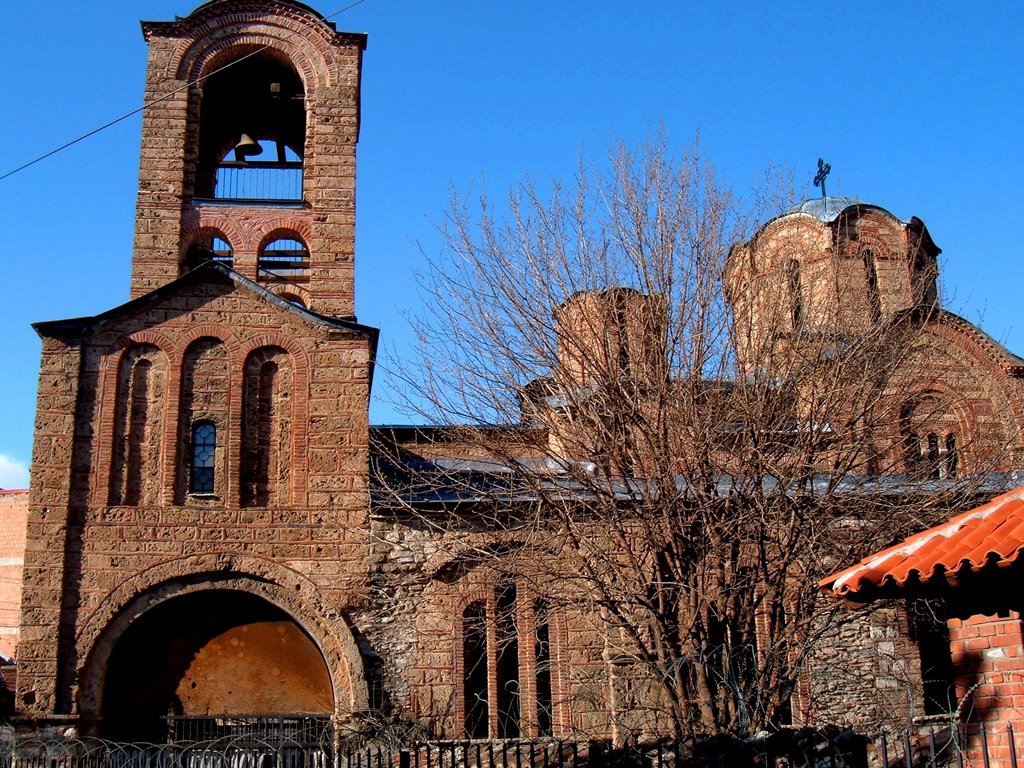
(166, 96)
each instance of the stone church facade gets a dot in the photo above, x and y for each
(202, 538)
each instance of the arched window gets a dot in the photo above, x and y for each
(507, 666)
(204, 458)
(209, 247)
(204, 400)
(475, 679)
(934, 466)
(291, 298)
(796, 294)
(507, 662)
(874, 298)
(283, 259)
(952, 459)
(912, 454)
(252, 132)
(542, 668)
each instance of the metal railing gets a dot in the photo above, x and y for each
(259, 182)
(272, 743)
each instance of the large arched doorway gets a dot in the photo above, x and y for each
(211, 653)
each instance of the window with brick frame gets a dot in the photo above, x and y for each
(204, 399)
(874, 296)
(507, 670)
(934, 458)
(208, 246)
(283, 259)
(796, 294)
(202, 471)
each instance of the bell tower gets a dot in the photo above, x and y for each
(249, 150)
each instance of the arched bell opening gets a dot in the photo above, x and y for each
(211, 654)
(252, 131)
(209, 245)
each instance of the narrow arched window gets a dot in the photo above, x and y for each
(209, 247)
(204, 452)
(138, 432)
(934, 467)
(475, 688)
(507, 662)
(796, 294)
(283, 259)
(542, 668)
(204, 399)
(952, 459)
(874, 298)
(912, 456)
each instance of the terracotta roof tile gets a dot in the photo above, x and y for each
(993, 532)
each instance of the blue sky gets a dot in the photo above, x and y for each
(916, 105)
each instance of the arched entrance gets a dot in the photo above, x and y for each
(209, 653)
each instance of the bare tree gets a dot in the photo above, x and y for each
(675, 428)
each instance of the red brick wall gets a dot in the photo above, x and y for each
(13, 519)
(989, 662)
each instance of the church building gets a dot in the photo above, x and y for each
(203, 537)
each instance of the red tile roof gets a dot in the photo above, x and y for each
(991, 534)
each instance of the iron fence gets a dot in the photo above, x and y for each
(266, 745)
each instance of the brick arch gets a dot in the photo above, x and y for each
(222, 333)
(970, 360)
(945, 412)
(885, 236)
(215, 225)
(279, 585)
(949, 397)
(313, 60)
(294, 289)
(998, 366)
(106, 391)
(299, 406)
(294, 228)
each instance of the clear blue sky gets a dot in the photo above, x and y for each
(917, 106)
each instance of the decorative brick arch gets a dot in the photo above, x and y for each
(212, 224)
(288, 344)
(311, 58)
(279, 585)
(288, 290)
(300, 374)
(999, 366)
(222, 333)
(291, 227)
(106, 399)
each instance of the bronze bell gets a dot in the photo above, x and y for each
(247, 147)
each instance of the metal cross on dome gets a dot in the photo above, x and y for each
(819, 179)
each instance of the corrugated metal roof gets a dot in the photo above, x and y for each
(991, 534)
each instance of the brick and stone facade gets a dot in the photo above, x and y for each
(201, 511)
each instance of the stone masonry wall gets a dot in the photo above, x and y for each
(86, 560)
